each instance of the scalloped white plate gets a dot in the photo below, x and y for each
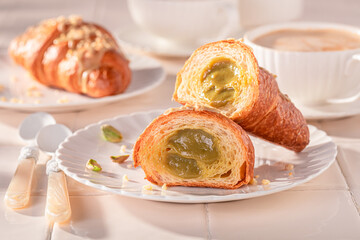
(147, 74)
(271, 160)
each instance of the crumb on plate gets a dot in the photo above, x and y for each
(289, 167)
(123, 148)
(32, 88)
(63, 100)
(253, 181)
(16, 100)
(37, 94)
(265, 182)
(125, 178)
(147, 187)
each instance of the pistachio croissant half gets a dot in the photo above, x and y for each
(195, 148)
(224, 76)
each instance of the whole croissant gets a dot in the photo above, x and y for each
(73, 55)
(224, 76)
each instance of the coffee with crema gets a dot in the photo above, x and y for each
(311, 40)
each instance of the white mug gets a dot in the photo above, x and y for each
(311, 78)
(186, 21)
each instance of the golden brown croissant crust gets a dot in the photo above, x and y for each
(253, 98)
(228, 163)
(73, 55)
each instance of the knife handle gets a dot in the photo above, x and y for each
(58, 208)
(18, 192)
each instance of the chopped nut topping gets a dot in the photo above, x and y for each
(60, 19)
(265, 182)
(85, 41)
(75, 19)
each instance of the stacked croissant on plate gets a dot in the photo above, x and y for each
(73, 55)
(207, 146)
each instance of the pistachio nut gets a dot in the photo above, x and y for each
(111, 134)
(120, 158)
(93, 165)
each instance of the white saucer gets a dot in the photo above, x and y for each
(133, 37)
(330, 110)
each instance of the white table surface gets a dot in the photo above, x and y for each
(325, 208)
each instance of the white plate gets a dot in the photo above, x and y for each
(87, 143)
(147, 74)
(330, 110)
(134, 37)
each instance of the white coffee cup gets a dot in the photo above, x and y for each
(311, 78)
(186, 21)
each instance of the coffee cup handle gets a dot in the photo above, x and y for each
(354, 59)
(232, 13)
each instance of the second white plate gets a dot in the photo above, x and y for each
(20, 92)
(270, 163)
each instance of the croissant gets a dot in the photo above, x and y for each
(73, 55)
(225, 76)
(195, 148)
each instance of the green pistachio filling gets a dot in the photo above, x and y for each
(186, 149)
(218, 81)
(182, 167)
